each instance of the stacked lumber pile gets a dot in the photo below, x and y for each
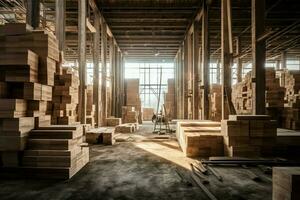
(55, 151)
(65, 97)
(112, 121)
(200, 138)
(148, 114)
(215, 98)
(133, 96)
(291, 113)
(286, 182)
(129, 115)
(90, 106)
(27, 64)
(103, 135)
(242, 95)
(29, 145)
(127, 128)
(169, 100)
(249, 135)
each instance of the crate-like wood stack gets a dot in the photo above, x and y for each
(286, 183)
(29, 145)
(249, 135)
(90, 106)
(113, 121)
(242, 95)
(200, 138)
(129, 115)
(291, 113)
(215, 98)
(148, 114)
(65, 97)
(133, 96)
(169, 100)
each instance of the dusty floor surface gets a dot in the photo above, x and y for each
(139, 167)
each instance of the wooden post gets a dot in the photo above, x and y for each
(239, 63)
(96, 81)
(186, 79)
(82, 59)
(205, 63)
(60, 23)
(258, 56)
(195, 70)
(33, 13)
(283, 60)
(226, 56)
(218, 72)
(103, 71)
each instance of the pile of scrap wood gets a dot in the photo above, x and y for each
(215, 98)
(148, 114)
(249, 135)
(170, 100)
(200, 138)
(291, 112)
(28, 62)
(133, 96)
(65, 97)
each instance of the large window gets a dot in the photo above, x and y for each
(149, 76)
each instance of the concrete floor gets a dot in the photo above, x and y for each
(140, 167)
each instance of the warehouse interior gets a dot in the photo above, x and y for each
(150, 99)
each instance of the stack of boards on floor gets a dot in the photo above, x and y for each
(29, 144)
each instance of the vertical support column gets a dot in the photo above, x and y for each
(205, 63)
(218, 72)
(112, 57)
(239, 63)
(33, 13)
(185, 80)
(60, 23)
(283, 60)
(103, 71)
(226, 56)
(258, 56)
(195, 70)
(82, 59)
(96, 81)
(277, 64)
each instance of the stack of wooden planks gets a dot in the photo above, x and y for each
(28, 62)
(129, 114)
(102, 135)
(90, 106)
(113, 121)
(215, 98)
(65, 97)
(286, 182)
(148, 114)
(249, 135)
(55, 151)
(291, 112)
(200, 138)
(133, 96)
(242, 94)
(127, 128)
(169, 100)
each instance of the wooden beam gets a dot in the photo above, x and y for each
(82, 59)
(185, 80)
(195, 70)
(60, 23)
(226, 58)
(283, 59)
(239, 62)
(103, 72)
(89, 26)
(205, 63)
(33, 13)
(96, 78)
(258, 56)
